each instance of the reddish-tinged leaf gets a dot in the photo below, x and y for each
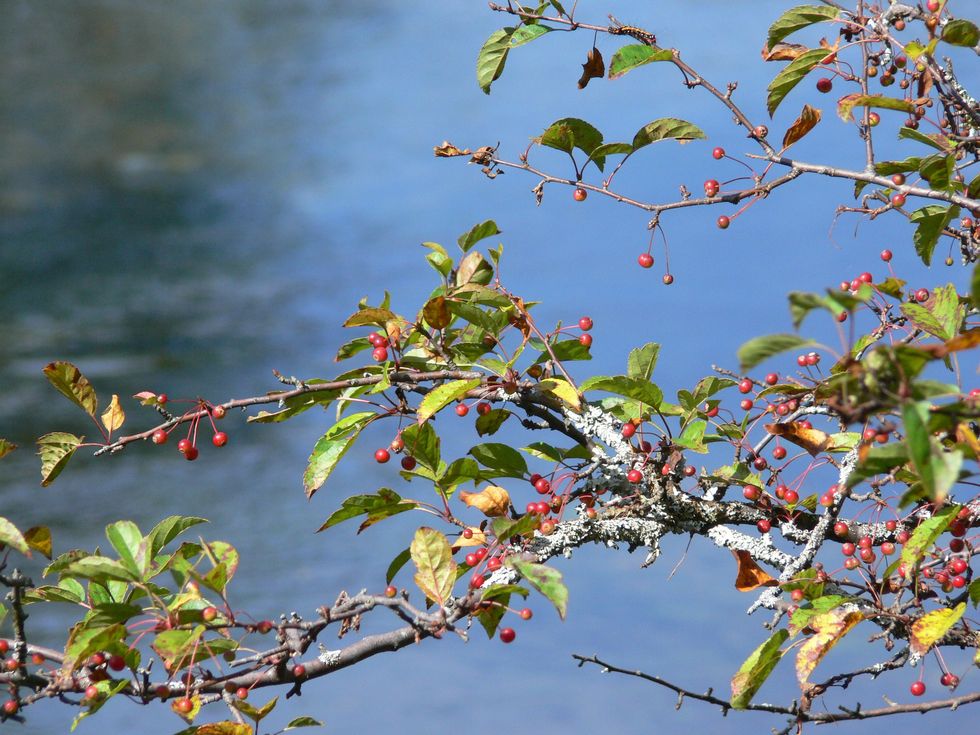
(828, 628)
(750, 575)
(6, 447)
(756, 669)
(70, 382)
(806, 122)
(783, 52)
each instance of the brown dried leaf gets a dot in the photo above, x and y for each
(812, 440)
(436, 313)
(750, 575)
(783, 52)
(491, 501)
(807, 121)
(964, 341)
(593, 68)
(448, 150)
(483, 155)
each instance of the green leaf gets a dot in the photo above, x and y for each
(879, 460)
(330, 447)
(925, 535)
(642, 361)
(640, 390)
(666, 128)
(500, 457)
(937, 469)
(491, 421)
(491, 615)
(887, 168)
(396, 564)
(371, 316)
(167, 530)
(801, 304)
(11, 536)
(527, 33)
(570, 133)
(797, 18)
(961, 32)
(937, 170)
(756, 669)
(303, 721)
(693, 436)
(70, 382)
(473, 269)
(492, 57)
(847, 103)
(905, 133)
(438, 398)
(436, 570)
(255, 713)
(128, 542)
(544, 579)
(914, 50)
(975, 286)
(100, 569)
(422, 442)
(83, 641)
(459, 471)
(792, 75)
(761, 349)
(600, 152)
(55, 449)
(384, 504)
(506, 528)
(481, 231)
(633, 55)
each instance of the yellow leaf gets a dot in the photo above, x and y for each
(491, 501)
(434, 561)
(477, 539)
(812, 440)
(114, 416)
(829, 628)
(750, 575)
(806, 122)
(932, 626)
(561, 388)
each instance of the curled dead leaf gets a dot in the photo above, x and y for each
(807, 121)
(593, 68)
(483, 155)
(448, 150)
(812, 440)
(750, 575)
(491, 501)
(783, 52)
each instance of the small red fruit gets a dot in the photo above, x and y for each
(241, 693)
(779, 453)
(745, 386)
(117, 662)
(218, 412)
(645, 260)
(183, 445)
(922, 295)
(542, 486)
(772, 378)
(483, 408)
(585, 323)
(634, 476)
(507, 635)
(381, 456)
(579, 195)
(824, 85)
(526, 613)
(898, 199)
(10, 707)
(792, 497)
(91, 693)
(472, 560)
(37, 659)
(159, 437)
(477, 580)
(718, 153)
(751, 492)
(462, 409)
(4, 646)
(391, 591)
(299, 671)
(629, 429)
(918, 688)
(162, 399)
(191, 454)
(668, 279)
(840, 529)
(746, 404)
(585, 340)
(264, 626)
(208, 615)
(183, 705)
(723, 222)
(764, 526)
(219, 439)
(494, 564)
(380, 354)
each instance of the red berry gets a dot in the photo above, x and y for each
(902, 536)
(218, 412)
(847, 549)
(764, 526)
(391, 590)
(745, 386)
(898, 199)
(958, 566)
(711, 187)
(408, 463)
(585, 340)
(886, 255)
(873, 119)
(183, 445)
(579, 195)
(891, 525)
(299, 671)
(483, 408)
(922, 295)
(634, 476)
(710, 412)
(376, 340)
(668, 279)
(760, 463)
(746, 404)
(851, 563)
(645, 260)
(866, 278)
(629, 429)
(162, 399)
(380, 354)
(263, 626)
(38, 658)
(918, 688)
(959, 581)
(526, 613)
(462, 409)
(4, 646)
(117, 662)
(585, 323)
(477, 580)
(191, 454)
(723, 222)
(840, 529)
(718, 153)
(888, 548)
(507, 635)
(751, 492)
(689, 470)
(381, 456)
(159, 437)
(472, 560)
(541, 507)
(241, 693)
(824, 85)
(183, 705)
(772, 378)
(91, 693)
(219, 439)
(779, 453)
(933, 6)
(10, 707)
(494, 564)
(542, 486)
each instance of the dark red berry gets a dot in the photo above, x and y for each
(579, 195)
(483, 408)
(745, 386)
(507, 635)
(723, 222)
(191, 454)
(116, 662)
(542, 486)
(779, 453)
(477, 580)
(634, 476)
(668, 279)
(629, 429)
(751, 492)
(772, 378)
(824, 85)
(408, 463)
(380, 354)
